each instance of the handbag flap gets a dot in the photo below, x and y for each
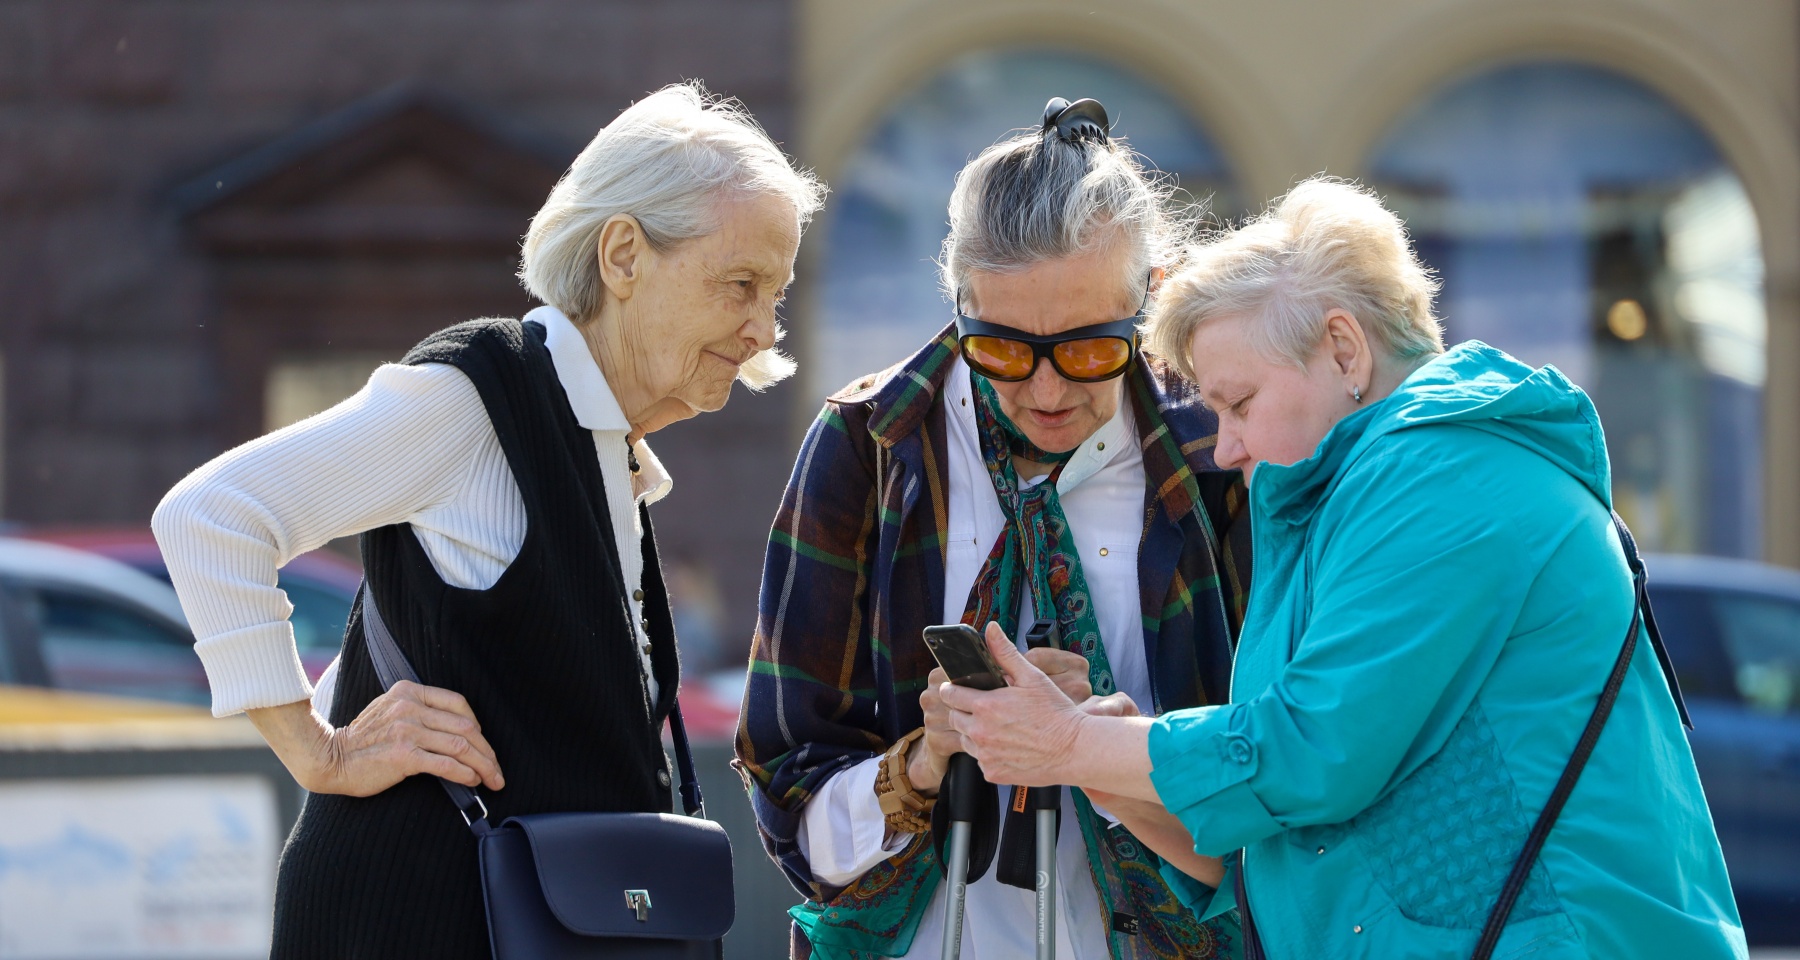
(653, 875)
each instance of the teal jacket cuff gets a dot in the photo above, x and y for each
(1201, 769)
(1204, 901)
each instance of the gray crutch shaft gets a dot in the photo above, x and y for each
(958, 873)
(1046, 885)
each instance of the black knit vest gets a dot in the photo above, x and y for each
(546, 658)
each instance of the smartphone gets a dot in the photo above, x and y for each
(964, 656)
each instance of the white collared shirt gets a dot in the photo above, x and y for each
(414, 446)
(598, 410)
(843, 832)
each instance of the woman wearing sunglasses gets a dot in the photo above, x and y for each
(1028, 463)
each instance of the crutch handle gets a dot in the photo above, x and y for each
(964, 788)
(966, 797)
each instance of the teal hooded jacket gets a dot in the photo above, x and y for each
(1439, 596)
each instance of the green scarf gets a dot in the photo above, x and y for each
(1148, 921)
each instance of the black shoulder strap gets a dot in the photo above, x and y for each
(391, 667)
(1640, 580)
(1584, 747)
(692, 803)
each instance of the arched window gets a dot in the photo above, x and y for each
(1580, 219)
(879, 295)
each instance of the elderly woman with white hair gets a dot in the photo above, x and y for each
(499, 477)
(1027, 463)
(1444, 630)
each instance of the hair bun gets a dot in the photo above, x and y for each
(1085, 119)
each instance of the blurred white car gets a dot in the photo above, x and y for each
(74, 620)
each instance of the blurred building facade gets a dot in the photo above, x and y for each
(1612, 186)
(220, 214)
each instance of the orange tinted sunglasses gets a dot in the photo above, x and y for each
(1090, 354)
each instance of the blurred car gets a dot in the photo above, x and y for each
(322, 587)
(74, 620)
(321, 584)
(1733, 631)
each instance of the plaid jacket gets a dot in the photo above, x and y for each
(855, 570)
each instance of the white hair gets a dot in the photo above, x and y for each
(1038, 197)
(668, 161)
(1329, 244)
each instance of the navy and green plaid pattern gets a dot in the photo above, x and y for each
(855, 571)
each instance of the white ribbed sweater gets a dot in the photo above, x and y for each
(414, 446)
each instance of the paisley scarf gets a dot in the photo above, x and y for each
(1036, 546)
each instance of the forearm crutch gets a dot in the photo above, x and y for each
(961, 800)
(1045, 804)
(965, 827)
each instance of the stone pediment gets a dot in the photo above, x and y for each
(405, 171)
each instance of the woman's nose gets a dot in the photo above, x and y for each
(1230, 454)
(759, 330)
(1047, 386)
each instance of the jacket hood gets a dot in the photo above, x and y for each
(1471, 384)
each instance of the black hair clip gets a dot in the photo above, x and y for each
(1084, 119)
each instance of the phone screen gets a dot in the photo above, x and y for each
(964, 656)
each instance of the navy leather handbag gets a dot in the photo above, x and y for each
(585, 886)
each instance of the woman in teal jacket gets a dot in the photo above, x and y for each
(1440, 595)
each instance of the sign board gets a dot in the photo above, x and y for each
(140, 867)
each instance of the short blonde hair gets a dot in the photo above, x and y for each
(667, 161)
(1329, 244)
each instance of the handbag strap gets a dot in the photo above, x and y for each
(1584, 747)
(391, 667)
(1641, 615)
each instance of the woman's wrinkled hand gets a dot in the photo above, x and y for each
(1111, 705)
(930, 758)
(1024, 733)
(408, 730)
(1065, 668)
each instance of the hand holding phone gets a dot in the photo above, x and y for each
(964, 655)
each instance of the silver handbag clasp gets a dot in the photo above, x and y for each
(638, 902)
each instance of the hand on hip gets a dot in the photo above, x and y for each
(410, 729)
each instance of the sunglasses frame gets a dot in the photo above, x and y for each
(1043, 347)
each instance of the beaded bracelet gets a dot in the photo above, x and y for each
(906, 810)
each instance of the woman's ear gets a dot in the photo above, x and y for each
(620, 252)
(1349, 350)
